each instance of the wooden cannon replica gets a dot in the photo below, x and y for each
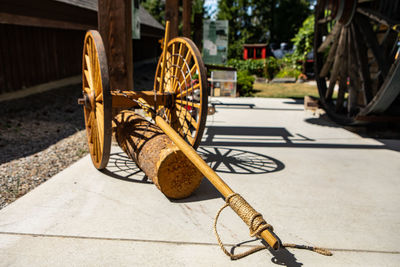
(357, 62)
(178, 107)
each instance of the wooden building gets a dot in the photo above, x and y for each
(41, 40)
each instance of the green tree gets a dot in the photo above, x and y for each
(156, 8)
(288, 16)
(255, 21)
(239, 17)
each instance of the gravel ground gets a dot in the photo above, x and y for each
(40, 135)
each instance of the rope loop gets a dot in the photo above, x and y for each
(231, 255)
(256, 224)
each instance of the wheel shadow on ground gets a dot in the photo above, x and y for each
(220, 159)
(231, 161)
(240, 136)
(121, 167)
(251, 136)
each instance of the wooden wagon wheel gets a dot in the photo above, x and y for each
(185, 80)
(96, 99)
(355, 46)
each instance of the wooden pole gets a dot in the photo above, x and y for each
(164, 54)
(186, 15)
(115, 27)
(206, 170)
(172, 15)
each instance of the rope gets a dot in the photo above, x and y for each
(322, 251)
(256, 224)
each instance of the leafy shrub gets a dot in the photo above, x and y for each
(304, 38)
(254, 66)
(288, 73)
(289, 66)
(271, 68)
(259, 67)
(290, 61)
(245, 83)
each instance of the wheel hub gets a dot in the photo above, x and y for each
(87, 101)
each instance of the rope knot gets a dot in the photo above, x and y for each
(250, 216)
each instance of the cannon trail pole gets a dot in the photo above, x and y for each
(217, 181)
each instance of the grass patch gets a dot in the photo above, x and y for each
(285, 90)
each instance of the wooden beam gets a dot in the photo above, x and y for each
(187, 14)
(48, 10)
(172, 15)
(6, 18)
(115, 27)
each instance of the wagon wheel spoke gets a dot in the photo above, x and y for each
(180, 69)
(372, 42)
(168, 73)
(100, 118)
(89, 123)
(184, 125)
(188, 91)
(362, 60)
(187, 103)
(343, 72)
(178, 63)
(186, 78)
(86, 90)
(89, 79)
(354, 79)
(96, 78)
(331, 57)
(188, 117)
(330, 38)
(337, 65)
(99, 98)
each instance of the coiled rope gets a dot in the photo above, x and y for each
(256, 224)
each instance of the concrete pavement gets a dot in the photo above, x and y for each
(315, 182)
